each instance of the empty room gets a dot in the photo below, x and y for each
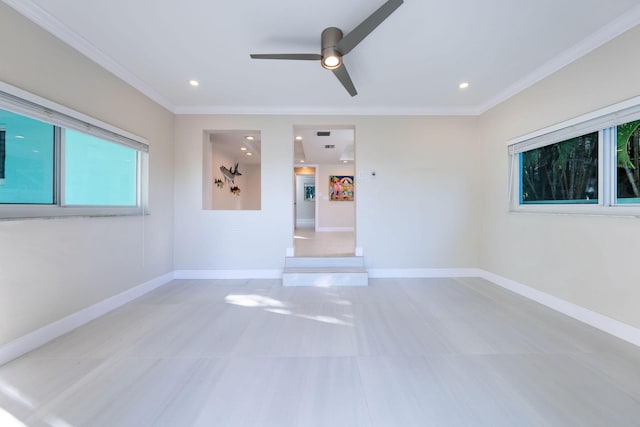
(319, 213)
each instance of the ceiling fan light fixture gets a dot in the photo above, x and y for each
(331, 61)
(333, 46)
(331, 58)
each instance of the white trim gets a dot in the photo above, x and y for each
(331, 110)
(406, 273)
(609, 110)
(620, 211)
(50, 105)
(43, 335)
(604, 35)
(584, 315)
(228, 274)
(334, 229)
(44, 19)
(39, 337)
(606, 324)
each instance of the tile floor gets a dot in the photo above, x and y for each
(400, 353)
(308, 243)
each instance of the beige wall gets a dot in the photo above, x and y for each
(419, 211)
(52, 268)
(590, 261)
(334, 215)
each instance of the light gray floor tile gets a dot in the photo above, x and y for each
(282, 392)
(567, 393)
(401, 352)
(300, 330)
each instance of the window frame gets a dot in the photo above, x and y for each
(29, 105)
(604, 121)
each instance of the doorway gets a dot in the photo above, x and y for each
(324, 191)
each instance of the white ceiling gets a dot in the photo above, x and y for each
(411, 64)
(313, 145)
(232, 142)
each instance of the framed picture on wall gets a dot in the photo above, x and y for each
(309, 192)
(341, 188)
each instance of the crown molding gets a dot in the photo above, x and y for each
(604, 35)
(45, 20)
(326, 111)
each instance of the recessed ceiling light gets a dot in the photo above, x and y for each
(249, 154)
(249, 138)
(19, 136)
(345, 161)
(194, 83)
(301, 161)
(243, 148)
(298, 138)
(463, 85)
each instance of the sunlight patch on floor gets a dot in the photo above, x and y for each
(8, 420)
(275, 306)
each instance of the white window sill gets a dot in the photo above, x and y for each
(589, 210)
(22, 212)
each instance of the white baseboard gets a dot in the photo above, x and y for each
(39, 337)
(405, 273)
(334, 229)
(606, 324)
(611, 326)
(228, 274)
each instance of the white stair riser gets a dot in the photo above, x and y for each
(323, 262)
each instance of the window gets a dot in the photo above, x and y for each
(565, 172)
(98, 172)
(26, 160)
(590, 164)
(628, 163)
(56, 162)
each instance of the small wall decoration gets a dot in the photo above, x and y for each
(310, 192)
(235, 190)
(341, 188)
(230, 173)
(219, 182)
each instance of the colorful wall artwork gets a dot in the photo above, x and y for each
(341, 188)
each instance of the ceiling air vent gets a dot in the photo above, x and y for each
(323, 133)
(329, 146)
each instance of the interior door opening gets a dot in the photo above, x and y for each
(324, 199)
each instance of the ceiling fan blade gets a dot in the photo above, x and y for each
(352, 39)
(342, 75)
(295, 56)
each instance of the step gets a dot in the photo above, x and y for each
(324, 262)
(325, 276)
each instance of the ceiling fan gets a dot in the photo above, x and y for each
(334, 46)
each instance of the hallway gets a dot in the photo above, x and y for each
(309, 243)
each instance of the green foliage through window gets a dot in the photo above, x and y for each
(628, 162)
(565, 172)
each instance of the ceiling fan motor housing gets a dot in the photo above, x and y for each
(331, 58)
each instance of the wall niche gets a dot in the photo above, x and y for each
(232, 170)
